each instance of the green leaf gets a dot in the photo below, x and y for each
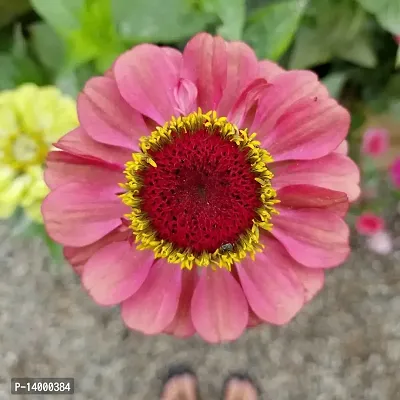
(396, 194)
(55, 250)
(340, 24)
(7, 71)
(157, 20)
(25, 68)
(329, 31)
(71, 81)
(309, 50)
(271, 29)
(372, 6)
(9, 10)
(394, 109)
(389, 17)
(6, 40)
(48, 46)
(19, 47)
(62, 15)
(97, 39)
(20, 224)
(334, 83)
(105, 60)
(80, 48)
(232, 13)
(360, 52)
(398, 58)
(387, 12)
(67, 82)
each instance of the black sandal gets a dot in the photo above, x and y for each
(240, 376)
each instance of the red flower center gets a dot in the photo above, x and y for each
(203, 193)
(199, 191)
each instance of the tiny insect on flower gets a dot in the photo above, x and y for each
(226, 247)
(210, 202)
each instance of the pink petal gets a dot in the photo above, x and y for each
(375, 142)
(314, 238)
(334, 171)
(153, 307)
(78, 256)
(269, 70)
(205, 64)
(219, 308)
(79, 143)
(343, 148)
(185, 96)
(395, 172)
(271, 286)
(309, 129)
(369, 224)
(286, 89)
(116, 272)
(244, 108)
(63, 168)
(308, 196)
(106, 117)
(182, 325)
(146, 77)
(254, 320)
(312, 280)
(79, 214)
(174, 57)
(242, 69)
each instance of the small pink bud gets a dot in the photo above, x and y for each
(375, 142)
(395, 172)
(369, 224)
(185, 96)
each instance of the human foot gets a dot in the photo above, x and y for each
(180, 384)
(239, 387)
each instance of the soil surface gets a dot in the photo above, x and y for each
(344, 345)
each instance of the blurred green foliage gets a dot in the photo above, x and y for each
(349, 43)
(65, 42)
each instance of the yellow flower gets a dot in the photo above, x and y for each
(31, 119)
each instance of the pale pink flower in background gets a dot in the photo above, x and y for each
(369, 224)
(397, 39)
(395, 172)
(381, 243)
(375, 142)
(172, 211)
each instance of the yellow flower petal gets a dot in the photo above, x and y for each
(11, 195)
(8, 122)
(6, 177)
(34, 211)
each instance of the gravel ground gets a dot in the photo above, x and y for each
(344, 345)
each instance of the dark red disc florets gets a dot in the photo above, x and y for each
(202, 194)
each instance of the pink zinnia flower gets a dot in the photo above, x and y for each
(397, 39)
(375, 142)
(368, 224)
(395, 172)
(203, 191)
